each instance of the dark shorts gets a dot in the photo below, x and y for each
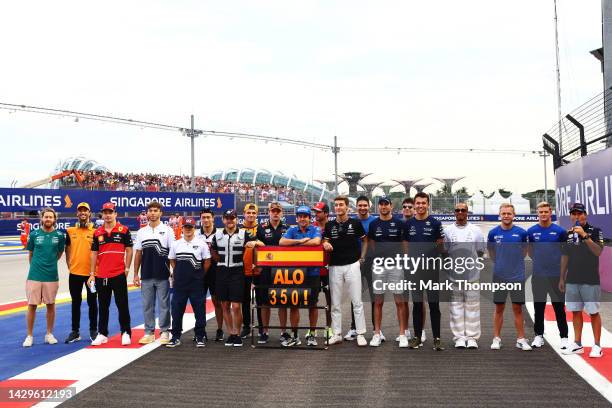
(325, 280)
(517, 296)
(210, 280)
(314, 284)
(262, 283)
(229, 284)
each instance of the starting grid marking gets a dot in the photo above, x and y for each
(85, 367)
(595, 371)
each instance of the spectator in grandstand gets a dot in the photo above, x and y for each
(78, 258)
(111, 251)
(307, 235)
(464, 240)
(386, 237)
(425, 236)
(545, 240)
(228, 250)
(270, 234)
(189, 259)
(507, 249)
(321, 214)
(580, 278)
(345, 238)
(207, 232)
(24, 232)
(152, 245)
(45, 246)
(251, 277)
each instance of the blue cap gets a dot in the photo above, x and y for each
(302, 209)
(384, 199)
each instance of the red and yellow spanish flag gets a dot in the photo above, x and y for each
(290, 256)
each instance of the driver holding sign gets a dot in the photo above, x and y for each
(307, 235)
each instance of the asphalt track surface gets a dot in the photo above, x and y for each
(348, 376)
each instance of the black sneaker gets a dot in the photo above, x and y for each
(414, 343)
(175, 342)
(237, 341)
(284, 339)
(72, 337)
(437, 344)
(230, 340)
(246, 332)
(219, 335)
(263, 338)
(93, 334)
(200, 342)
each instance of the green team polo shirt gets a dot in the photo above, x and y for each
(45, 247)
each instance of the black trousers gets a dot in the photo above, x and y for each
(434, 312)
(75, 284)
(106, 288)
(548, 286)
(246, 303)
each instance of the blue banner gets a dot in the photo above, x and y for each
(11, 227)
(65, 201)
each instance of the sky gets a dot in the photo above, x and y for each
(477, 74)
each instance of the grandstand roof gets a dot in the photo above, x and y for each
(264, 176)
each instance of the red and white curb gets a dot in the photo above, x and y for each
(595, 371)
(87, 366)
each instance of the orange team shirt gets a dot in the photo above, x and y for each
(78, 243)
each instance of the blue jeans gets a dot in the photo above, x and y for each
(195, 295)
(151, 290)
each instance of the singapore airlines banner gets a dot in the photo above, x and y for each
(65, 201)
(587, 181)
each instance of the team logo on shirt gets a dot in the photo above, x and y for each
(120, 229)
(101, 238)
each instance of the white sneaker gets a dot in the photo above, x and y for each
(564, 343)
(471, 344)
(99, 340)
(423, 336)
(147, 339)
(126, 340)
(573, 349)
(496, 345)
(50, 339)
(406, 333)
(29, 340)
(382, 337)
(351, 335)
(164, 338)
(335, 339)
(361, 340)
(376, 340)
(403, 341)
(460, 343)
(596, 352)
(523, 344)
(538, 341)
